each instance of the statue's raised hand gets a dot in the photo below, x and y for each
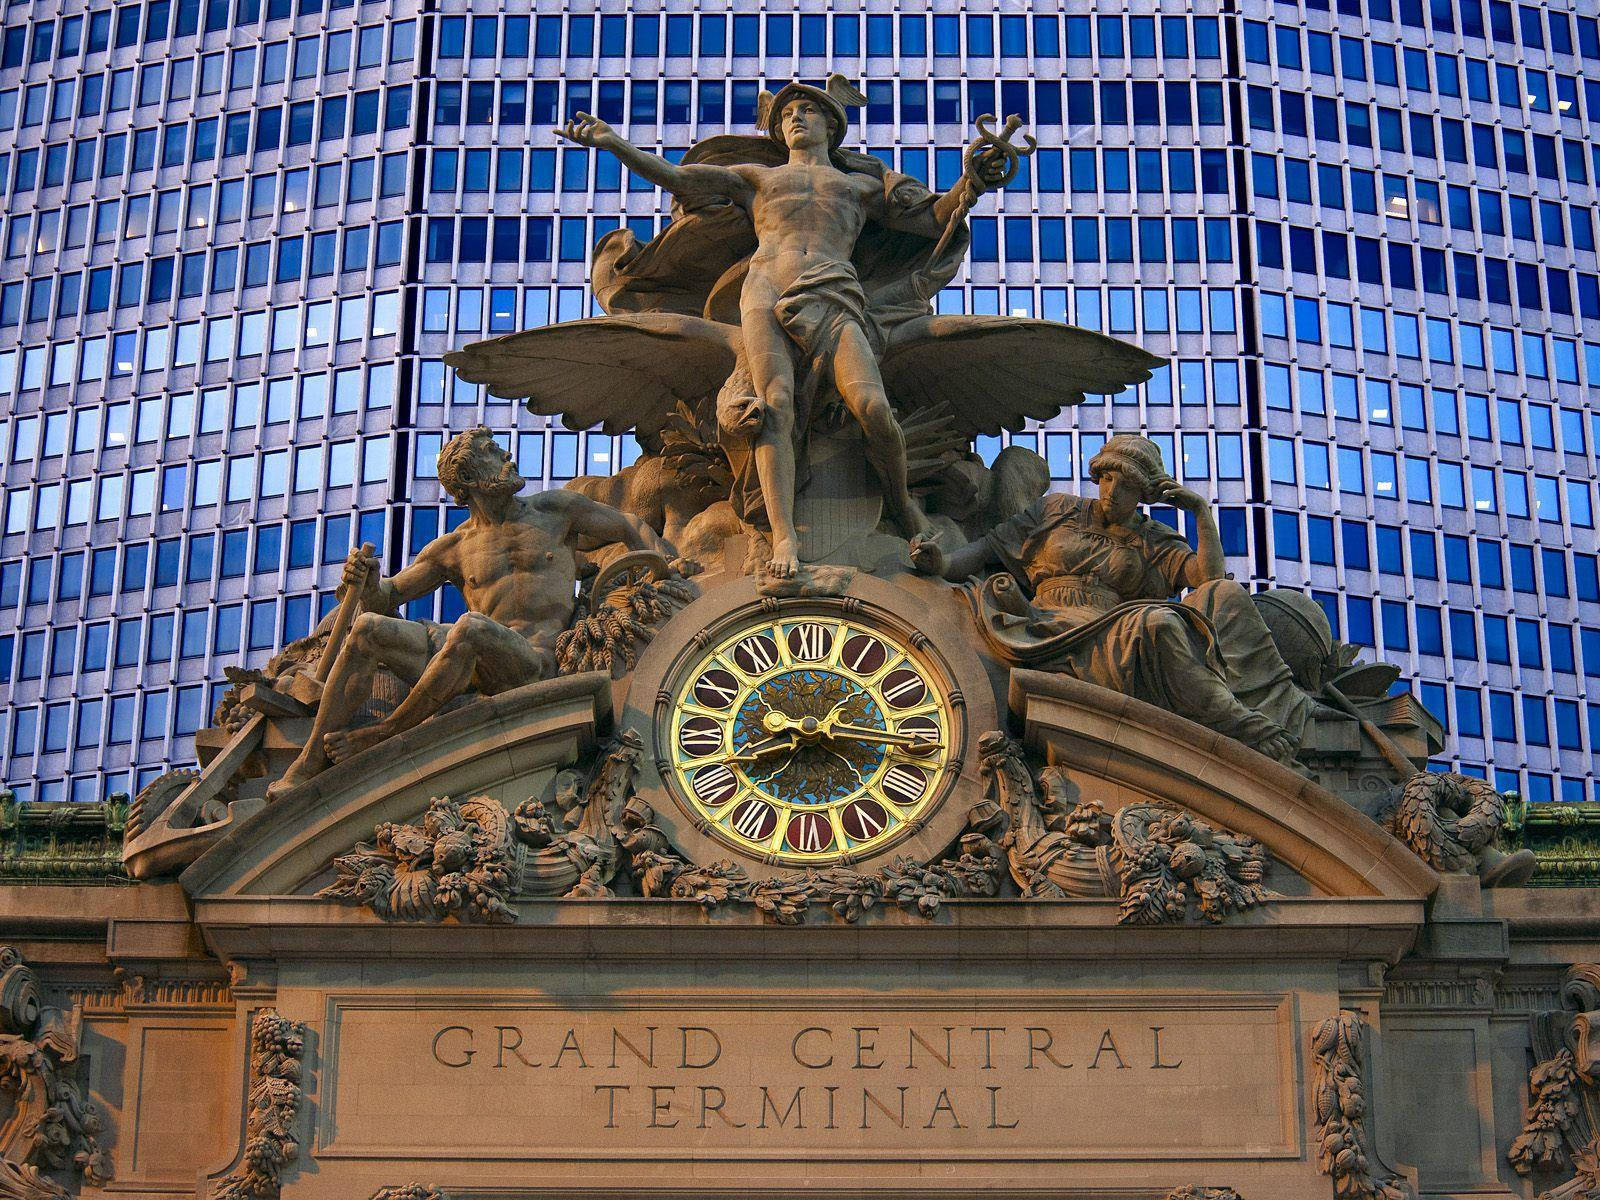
(1170, 491)
(585, 130)
(927, 556)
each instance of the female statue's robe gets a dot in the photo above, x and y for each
(1099, 607)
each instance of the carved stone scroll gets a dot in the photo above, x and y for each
(1562, 1129)
(53, 1129)
(1345, 1152)
(276, 1045)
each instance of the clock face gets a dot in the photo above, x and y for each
(810, 738)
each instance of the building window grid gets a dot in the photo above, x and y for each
(1148, 416)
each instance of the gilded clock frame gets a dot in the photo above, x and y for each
(924, 616)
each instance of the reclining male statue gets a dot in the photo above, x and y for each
(515, 563)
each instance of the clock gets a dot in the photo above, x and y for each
(811, 736)
(799, 732)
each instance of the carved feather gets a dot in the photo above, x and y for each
(996, 372)
(622, 372)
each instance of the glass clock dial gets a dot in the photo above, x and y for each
(807, 739)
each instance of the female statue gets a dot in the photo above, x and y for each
(1097, 580)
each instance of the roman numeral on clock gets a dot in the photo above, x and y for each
(809, 832)
(755, 820)
(810, 642)
(714, 784)
(699, 736)
(756, 654)
(904, 687)
(904, 784)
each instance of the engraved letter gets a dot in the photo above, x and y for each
(866, 1046)
(988, 1032)
(942, 1104)
(917, 1039)
(505, 1044)
(660, 1107)
(994, 1111)
(1034, 1033)
(466, 1051)
(868, 1098)
(648, 1058)
(1108, 1043)
(715, 1049)
(1158, 1065)
(611, 1090)
(707, 1108)
(783, 1120)
(570, 1044)
(804, 1062)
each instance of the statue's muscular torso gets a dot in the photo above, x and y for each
(804, 217)
(520, 573)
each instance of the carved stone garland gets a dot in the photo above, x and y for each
(276, 1045)
(1191, 1192)
(1164, 864)
(410, 1191)
(52, 1128)
(1344, 1144)
(471, 859)
(1562, 1128)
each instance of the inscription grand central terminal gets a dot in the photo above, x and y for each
(839, 1097)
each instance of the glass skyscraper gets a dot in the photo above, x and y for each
(238, 237)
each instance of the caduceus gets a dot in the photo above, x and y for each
(989, 144)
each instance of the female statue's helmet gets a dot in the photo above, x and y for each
(834, 98)
(1138, 458)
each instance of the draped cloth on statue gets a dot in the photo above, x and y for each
(1099, 607)
(696, 266)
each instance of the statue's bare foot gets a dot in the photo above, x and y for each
(343, 744)
(299, 772)
(785, 560)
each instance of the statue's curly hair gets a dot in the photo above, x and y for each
(452, 470)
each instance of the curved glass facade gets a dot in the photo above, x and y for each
(239, 234)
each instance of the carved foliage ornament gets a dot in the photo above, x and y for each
(472, 858)
(276, 1045)
(410, 1191)
(1165, 865)
(1344, 1143)
(52, 1128)
(1562, 1129)
(1191, 1192)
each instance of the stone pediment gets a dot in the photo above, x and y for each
(1119, 751)
(507, 747)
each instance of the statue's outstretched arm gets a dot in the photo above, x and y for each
(601, 524)
(701, 179)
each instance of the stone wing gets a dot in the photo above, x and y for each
(996, 372)
(620, 373)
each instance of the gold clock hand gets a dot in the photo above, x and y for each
(888, 737)
(756, 754)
